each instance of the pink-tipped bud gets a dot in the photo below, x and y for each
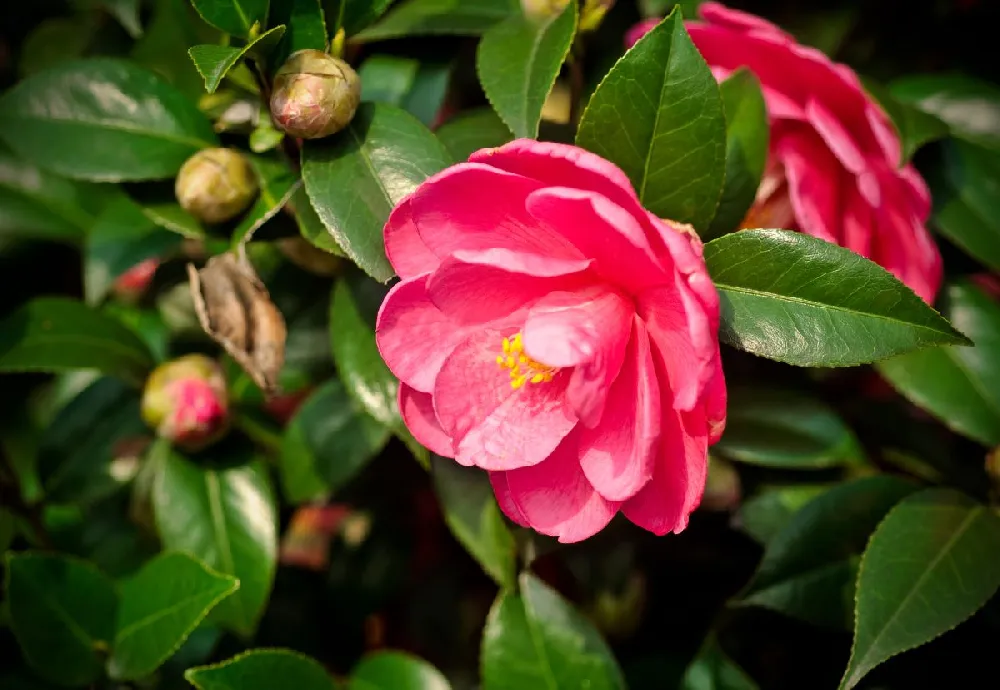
(133, 283)
(215, 185)
(185, 401)
(315, 95)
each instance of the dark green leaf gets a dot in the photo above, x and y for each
(53, 41)
(784, 429)
(8, 529)
(262, 669)
(423, 17)
(536, 639)
(310, 225)
(970, 106)
(62, 611)
(800, 300)
(766, 514)
(425, 99)
(327, 443)
(808, 568)
(472, 130)
(275, 181)
(305, 29)
(713, 670)
(160, 606)
(518, 61)
(225, 517)
(171, 216)
(396, 671)
(958, 385)
(658, 115)
(914, 126)
(173, 29)
(747, 135)
(357, 177)
(56, 334)
(235, 17)
(387, 78)
(354, 15)
(926, 569)
(213, 62)
(104, 120)
(472, 514)
(966, 192)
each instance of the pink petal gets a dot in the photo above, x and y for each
(556, 499)
(601, 229)
(502, 491)
(617, 456)
(859, 223)
(566, 329)
(475, 287)
(814, 182)
(418, 413)
(414, 337)
(495, 426)
(406, 251)
(633, 35)
(590, 382)
(919, 194)
(835, 135)
(715, 398)
(884, 133)
(717, 14)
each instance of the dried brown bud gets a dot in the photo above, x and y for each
(315, 95)
(215, 185)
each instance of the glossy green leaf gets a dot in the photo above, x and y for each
(62, 611)
(472, 130)
(262, 669)
(926, 569)
(104, 120)
(57, 334)
(327, 443)
(763, 516)
(310, 225)
(235, 17)
(672, 144)
(35, 203)
(354, 15)
(784, 429)
(536, 639)
(304, 27)
(425, 99)
(170, 216)
(958, 385)
(275, 181)
(966, 192)
(808, 569)
(396, 671)
(473, 516)
(800, 300)
(226, 518)
(160, 606)
(915, 127)
(518, 61)
(427, 17)
(173, 28)
(747, 136)
(712, 669)
(970, 106)
(213, 62)
(387, 78)
(357, 177)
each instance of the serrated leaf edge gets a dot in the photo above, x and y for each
(283, 651)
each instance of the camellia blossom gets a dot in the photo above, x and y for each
(551, 331)
(833, 170)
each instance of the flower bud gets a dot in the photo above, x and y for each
(542, 9)
(131, 285)
(185, 401)
(315, 95)
(592, 14)
(215, 185)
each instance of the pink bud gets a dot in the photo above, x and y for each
(185, 401)
(133, 283)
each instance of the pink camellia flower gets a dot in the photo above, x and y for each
(186, 402)
(834, 170)
(551, 331)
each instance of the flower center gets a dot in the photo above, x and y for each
(523, 369)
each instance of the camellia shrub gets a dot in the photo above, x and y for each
(556, 344)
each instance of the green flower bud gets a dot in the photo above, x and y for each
(315, 95)
(215, 185)
(186, 403)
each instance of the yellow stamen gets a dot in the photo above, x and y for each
(523, 369)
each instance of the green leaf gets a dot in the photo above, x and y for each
(57, 334)
(797, 299)
(354, 15)
(387, 78)
(808, 568)
(518, 61)
(262, 669)
(658, 115)
(62, 611)
(122, 237)
(428, 17)
(275, 181)
(170, 216)
(213, 62)
(126, 12)
(914, 126)
(327, 443)
(236, 17)
(305, 28)
(764, 515)
(966, 192)
(356, 178)
(425, 99)
(785, 429)
(471, 512)
(160, 606)
(536, 639)
(472, 130)
(925, 571)
(103, 120)
(53, 41)
(712, 669)
(173, 28)
(958, 385)
(35, 203)
(747, 135)
(310, 225)
(227, 518)
(396, 671)
(970, 106)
